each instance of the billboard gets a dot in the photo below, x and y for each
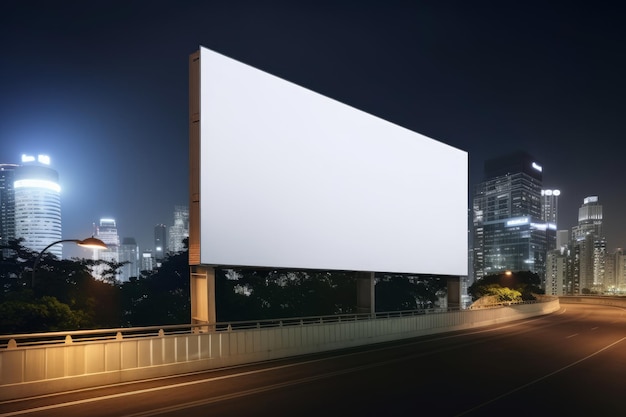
(289, 178)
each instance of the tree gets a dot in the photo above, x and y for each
(160, 296)
(395, 292)
(526, 283)
(247, 294)
(62, 294)
(38, 315)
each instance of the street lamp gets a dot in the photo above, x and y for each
(90, 242)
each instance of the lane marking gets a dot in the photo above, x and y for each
(234, 395)
(521, 387)
(572, 335)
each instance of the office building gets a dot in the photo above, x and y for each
(37, 200)
(550, 216)
(160, 242)
(106, 231)
(147, 261)
(615, 272)
(180, 230)
(589, 246)
(509, 231)
(129, 253)
(556, 272)
(7, 203)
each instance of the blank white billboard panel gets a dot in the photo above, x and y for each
(292, 179)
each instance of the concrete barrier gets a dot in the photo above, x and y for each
(43, 369)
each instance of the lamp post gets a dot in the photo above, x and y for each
(90, 242)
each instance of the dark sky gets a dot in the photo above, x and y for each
(102, 87)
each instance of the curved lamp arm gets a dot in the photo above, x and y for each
(90, 242)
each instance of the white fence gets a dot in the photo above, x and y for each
(71, 360)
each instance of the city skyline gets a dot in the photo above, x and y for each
(102, 89)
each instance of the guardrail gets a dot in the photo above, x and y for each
(12, 341)
(42, 363)
(618, 301)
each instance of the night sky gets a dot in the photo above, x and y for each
(102, 87)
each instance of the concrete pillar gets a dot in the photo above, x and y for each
(454, 292)
(203, 296)
(365, 293)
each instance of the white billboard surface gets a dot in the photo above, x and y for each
(293, 179)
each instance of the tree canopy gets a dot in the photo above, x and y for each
(507, 286)
(66, 296)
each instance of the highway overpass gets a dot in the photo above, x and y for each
(569, 362)
(38, 364)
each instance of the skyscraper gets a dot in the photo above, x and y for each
(7, 203)
(589, 246)
(147, 261)
(180, 230)
(106, 231)
(509, 233)
(37, 204)
(160, 242)
(129, 253)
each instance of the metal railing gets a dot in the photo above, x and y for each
(76, 336)
(13, 341)
(43, 363)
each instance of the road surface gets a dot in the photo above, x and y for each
(572, 362)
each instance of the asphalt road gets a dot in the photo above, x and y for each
(569, 363)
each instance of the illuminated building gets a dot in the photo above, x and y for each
(509, 232)
(129, 253)
(550, 205)
(589, 246)
(180, 230)
(615, 272)
(106, 231)
(37, 204)
(160, 248)
(556, 272)
(147, 261)
(7, 203)
(550, 215)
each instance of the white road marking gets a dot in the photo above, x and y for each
(521, 387)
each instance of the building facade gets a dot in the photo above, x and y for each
(509, 232)
(37, 204)
(147, 261)
(556, 272)
(550, 216)
(129, 253)
(180, 230)
(106, 231)
(589, 249)
(7, 203)
(160, 242)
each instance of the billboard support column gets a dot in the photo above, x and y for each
(203, 296)
(454, 292)
(365, 294)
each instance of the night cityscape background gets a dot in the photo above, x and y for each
(534, 93)
(102, 88)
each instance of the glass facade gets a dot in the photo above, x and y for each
(37, 207)
(7, 203)
(180, 230)
(129, 253)
(509, 232)
(106, 232)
